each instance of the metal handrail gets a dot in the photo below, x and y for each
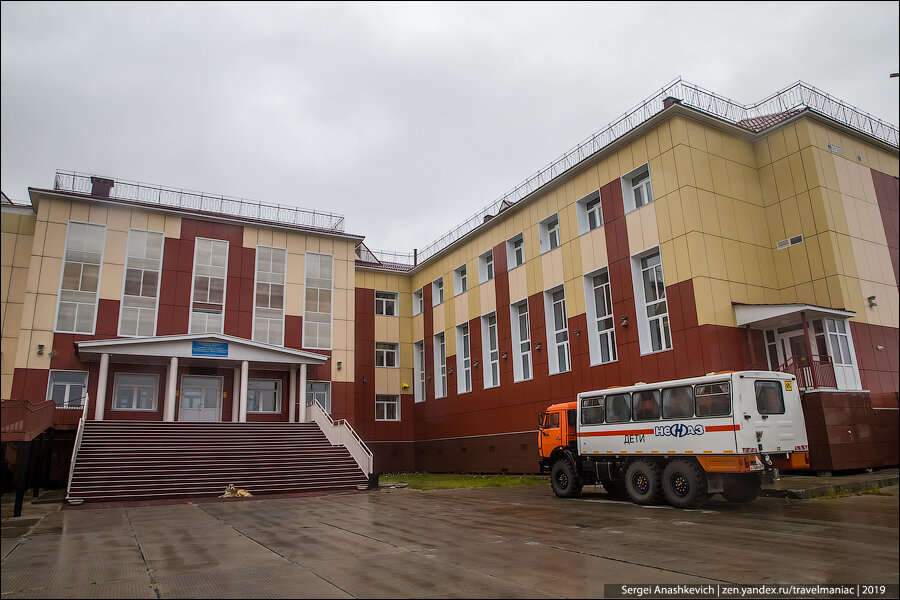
(337, 433)
(78, 435)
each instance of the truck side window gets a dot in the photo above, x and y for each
(646, 405)
(618, 408)
(554, 420)
(591, 411)
(678, 402)
(572, 418)
(713, 399)
(769, 399)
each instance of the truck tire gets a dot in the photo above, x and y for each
(741, 489)
(684, 484)
(643, 482)
(564, 480)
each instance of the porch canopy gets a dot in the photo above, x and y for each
(770, 316)
(209, 349)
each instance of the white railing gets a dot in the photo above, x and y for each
(78, 436)
(340, 433)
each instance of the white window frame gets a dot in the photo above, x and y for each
(418, 302)
(490, 350)
(515, 252)
(388, 303)
(260, 312)
(141, 299)
(310, 400)
(642, 305)
(419, 370)
(549, 233)
(117, 382)
(384, 401)
(839, 343)
(634, 181)
(278, 386)
(557, 332)
(62, 272)
(437, 291)
(67, 401)
(224, 278)
(307, 312)
(460, 280)
(463, 359)
(389, 352)
(601, 328)
(440, 366)
(523, 368)
(486, 266)
(585, 215)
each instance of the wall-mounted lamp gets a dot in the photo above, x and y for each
(475, 363)
(405, 386)
(577, 333)
(537, 346)
(40, 349)
(428, 377)
(504, 356)
(872, 302)
(450, 370)
(365, 380)
(339, 365)
(624, 322)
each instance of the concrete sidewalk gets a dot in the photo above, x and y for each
(796, 485)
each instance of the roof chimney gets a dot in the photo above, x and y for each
(669, 101)
(100, 186)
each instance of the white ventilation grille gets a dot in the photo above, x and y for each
(797, 239)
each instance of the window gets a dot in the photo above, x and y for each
(320, 393)
(386, 304)
(557, 330)
(418, 302)
(460, 284)
(840, 341)
(713, 399)
(264, 395)
(678, 402)
(646, 405)
(769, 397)
(486, 266)
(317, 305)
(650, 303)
(385, 354)
(80, 279)
(636, 190)
(140, 292)
(440, 366)
(601, 324)
(135, 392)
(268, 307)
(463, 359)
(387, 408)
(208, 300)
(515, 252)
(437, 291)
(592, 410)
(491, 350)
(521, 340)
(67, 388)
(618, 408)
(548, 231)
(419, 370)
(589, 212)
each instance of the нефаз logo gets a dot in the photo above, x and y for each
(679, 430)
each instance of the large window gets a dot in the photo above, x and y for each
(418, 300)
(140, 293)
(437, 291)
(385, 354)
(133, 391)
(264, 395)
(650, 303)
(486, 266)
(548, 231)
(460, 280)
(320, 393)
(387, 408)
(210, 271)
(386, 304)
(636, 189)
(515, 252)
(419, 370)
(769, 397)
(521, 339)
(589, 212)
(80, 278)
(440, 366)
(317, 307)
(840, 341)
(268, 315)
(67, 388)
(491, 350)
(557, 330)
(463, 359)
(601, 325)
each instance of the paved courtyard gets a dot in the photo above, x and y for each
(512, 542)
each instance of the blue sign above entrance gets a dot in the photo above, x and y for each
(209, 349)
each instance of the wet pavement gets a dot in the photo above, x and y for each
(509, 542)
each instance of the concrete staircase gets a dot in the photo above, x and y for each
(142, 460)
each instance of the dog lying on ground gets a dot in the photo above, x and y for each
(233, 492)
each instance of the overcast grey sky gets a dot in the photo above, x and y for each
(406, 118)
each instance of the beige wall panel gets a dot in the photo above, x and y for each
(111, 282)
(418, 327)
(461, 308)
(44, 313)
(438, 318)
(8, 249)
(650, 227)
(54, 242)
(156, 222)
(9, 222)
(518, 284)
(338, 337)
(488, 296)
(696, 246)
(406, 331)
(690, 208)
(716, 257)
(79, 211)
(139, 219)
(296, 243)
(551, 266)
(706, 313)
(264, 236)
(116, 246)
(23, 349)
(635, 231)
(59, 211)
(293, 301)
(118, 219)
(593, 251)
(295, 269)
(36, 361)
(279, 240)
(709, 215)
(251, 237)
(339, 303)
(49, 275)
(670, 263)
(662, 216)
(173, 226)
(682, 258)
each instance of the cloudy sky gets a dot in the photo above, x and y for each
(406, 118)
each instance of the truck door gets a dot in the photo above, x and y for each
(772, 405)
(551, 435)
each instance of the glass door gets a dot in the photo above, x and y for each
(201, 399)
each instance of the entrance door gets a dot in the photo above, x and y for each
(201, 399)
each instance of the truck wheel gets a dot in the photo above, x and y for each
(741, 488)
(684, 484)
(642, 482)
(564, 480)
